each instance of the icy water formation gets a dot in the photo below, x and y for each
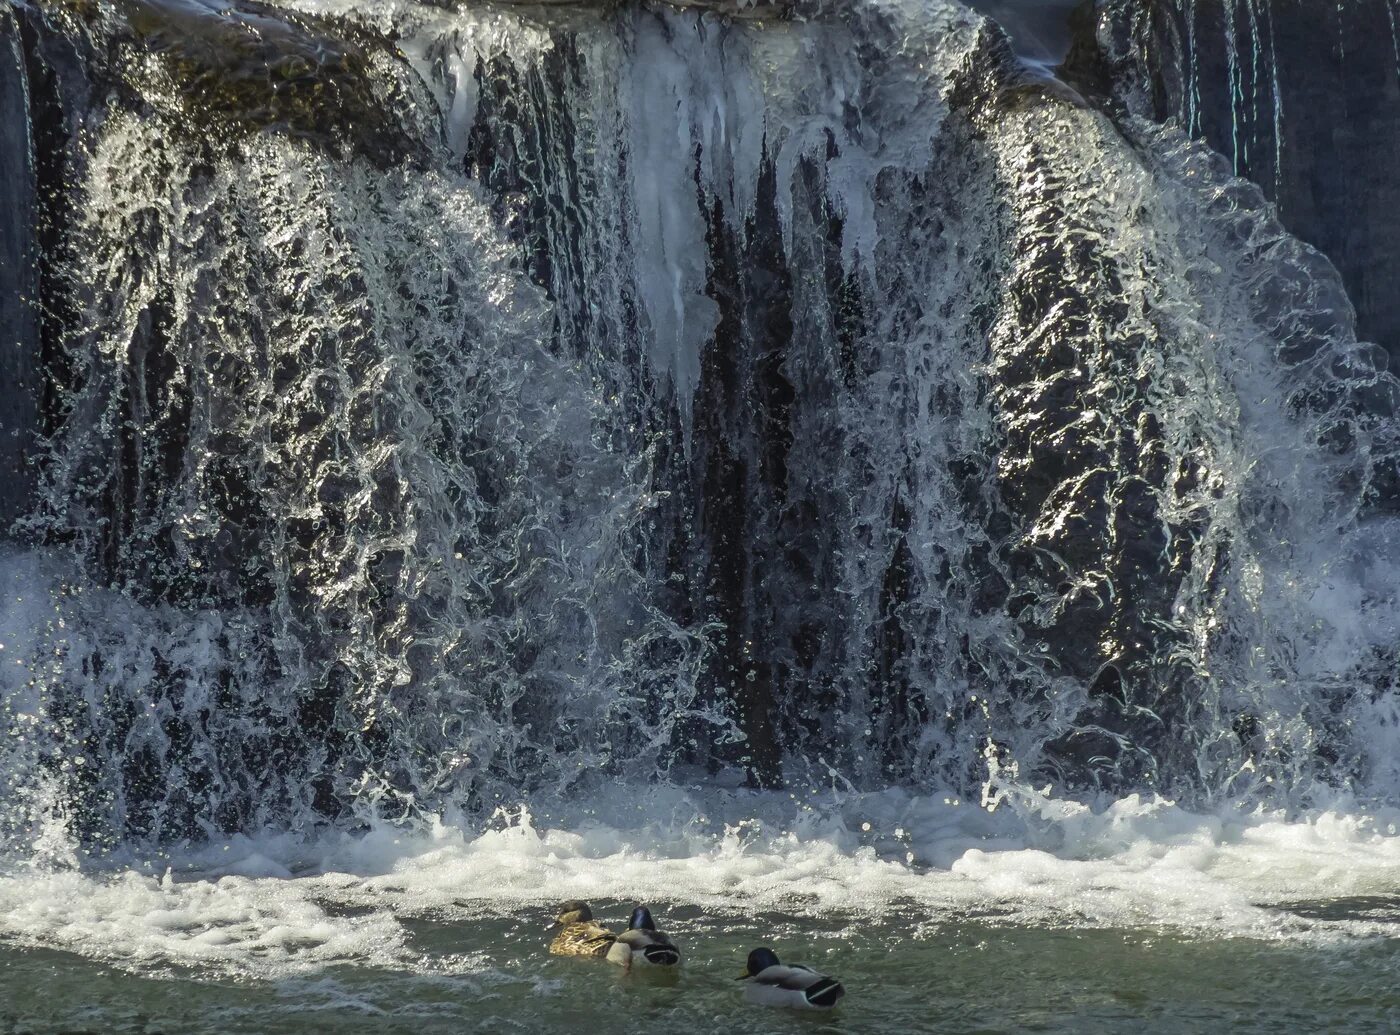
(826, 469)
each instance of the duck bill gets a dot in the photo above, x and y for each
(744, 976)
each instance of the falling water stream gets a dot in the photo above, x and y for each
(819, 471)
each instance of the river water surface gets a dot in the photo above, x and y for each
(938, 917)
(912, 972)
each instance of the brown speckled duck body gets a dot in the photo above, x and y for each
(579, 935)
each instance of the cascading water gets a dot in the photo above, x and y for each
(1303, 98)
(511, 404)
(976, 457)
(305, 467)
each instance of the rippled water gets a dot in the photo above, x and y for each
(914, 972)
(937, 917)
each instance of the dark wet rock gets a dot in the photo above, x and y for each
(1095, 567)
(19, 276)
(242, 67)
(209, 74)
(1039, 29)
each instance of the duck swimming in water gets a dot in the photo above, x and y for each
(579, 935)
(643, 944)
(768, 982)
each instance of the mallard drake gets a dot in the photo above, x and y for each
(643, 943)
(769, 983)
(579, 935)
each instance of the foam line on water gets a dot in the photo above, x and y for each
(283, 905)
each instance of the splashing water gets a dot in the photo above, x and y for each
(328, 489)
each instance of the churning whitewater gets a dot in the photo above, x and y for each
(480, 457)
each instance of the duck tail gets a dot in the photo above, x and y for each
(662, 955)
(825, 992)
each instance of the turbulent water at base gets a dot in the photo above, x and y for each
(466, 454)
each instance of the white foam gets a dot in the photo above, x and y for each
(1136, 863)
(249, 925)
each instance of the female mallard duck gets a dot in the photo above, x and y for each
(769, 983)
(579, 935)
(643, 943)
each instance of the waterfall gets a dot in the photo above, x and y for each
(519, 400)
(337, 530)
(1303, 97)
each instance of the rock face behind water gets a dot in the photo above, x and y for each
(18, 276)
(230, 69)
(1302, 97)
(216, 72)
(731, 8)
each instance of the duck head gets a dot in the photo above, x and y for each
(759, 961)
(574, 912)
(641, 920)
